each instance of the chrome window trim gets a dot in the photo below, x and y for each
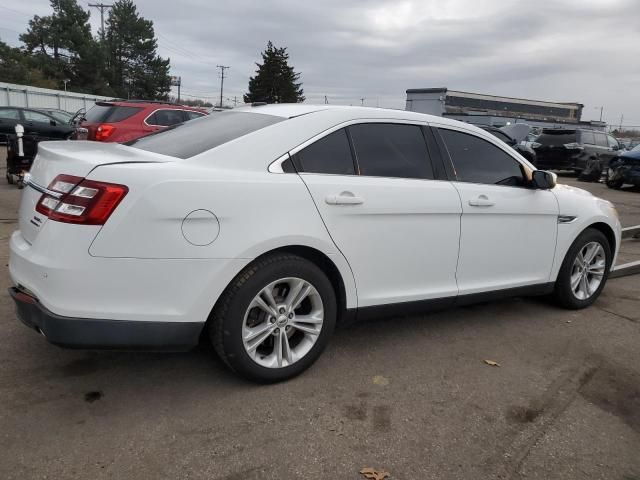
(163, 108)
(276, 165)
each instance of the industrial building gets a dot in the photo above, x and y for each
(481, 109)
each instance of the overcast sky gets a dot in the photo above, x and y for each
(558, 50)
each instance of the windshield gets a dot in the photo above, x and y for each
(557, 137)
(196, 136)
(63, 117)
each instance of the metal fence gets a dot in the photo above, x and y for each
(12, 95)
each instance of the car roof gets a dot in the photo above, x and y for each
(148, 104)
(346, 112)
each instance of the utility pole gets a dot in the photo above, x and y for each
(362, 101)
(235, 101)
(222, 69)
(601, 109)
(621, 122)
(102, 7)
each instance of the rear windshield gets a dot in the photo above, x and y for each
(557, 137)
(110, 113)
(196, 136)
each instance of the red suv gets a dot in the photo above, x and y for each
(122, 121)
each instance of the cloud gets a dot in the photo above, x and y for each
(563, 50)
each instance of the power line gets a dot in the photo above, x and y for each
(102, 7)
(222, 69)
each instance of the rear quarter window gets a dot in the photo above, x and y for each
(110, 113)
(188, 139)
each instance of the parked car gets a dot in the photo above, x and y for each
(520, 147)
(123, 121)
(37, 125)
(260, 228)
(60, 115)
(574, 148)
(625, 168)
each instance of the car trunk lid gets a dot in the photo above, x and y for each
(69, 158)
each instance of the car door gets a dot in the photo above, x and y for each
(38, 125)
(397, 226)
(508, 230)
(614, 149)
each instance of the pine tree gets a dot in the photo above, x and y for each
(134, 68)
(275, 80)
(61, 47)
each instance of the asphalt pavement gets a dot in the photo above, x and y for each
(412, 396)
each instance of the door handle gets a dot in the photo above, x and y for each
(345, 198)
(481, 201)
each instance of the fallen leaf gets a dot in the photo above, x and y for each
(380, 380)
(373, 474)
(491, 363)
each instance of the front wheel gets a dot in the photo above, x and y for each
(275, 318)
(584, 270)
(613, 180)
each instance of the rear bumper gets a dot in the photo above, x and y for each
(93, 333)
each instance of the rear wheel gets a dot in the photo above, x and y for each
(584, 270)
(275, 318)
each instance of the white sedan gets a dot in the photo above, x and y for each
(263, 227)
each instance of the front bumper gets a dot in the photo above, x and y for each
(92, 333)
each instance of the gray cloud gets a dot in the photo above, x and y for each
(564, 50)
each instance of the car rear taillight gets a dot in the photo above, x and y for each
(82, 201)
(104, 131)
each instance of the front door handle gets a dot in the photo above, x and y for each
(481, 201)
(344, 198)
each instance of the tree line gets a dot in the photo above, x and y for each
(122, 61)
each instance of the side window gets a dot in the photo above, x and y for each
(478, 161)
(587, 137)
(613, 143)
(192, 115)
(391, 150)
(166, 118)
(32, 116)
(9, 114)
(601, 139)
(330, 154)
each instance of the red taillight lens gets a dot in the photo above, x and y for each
(83, 201)
(104, 131)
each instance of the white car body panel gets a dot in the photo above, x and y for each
(401, 242)
(410, 240)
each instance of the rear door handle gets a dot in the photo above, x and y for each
(344, 198)
(481, 201)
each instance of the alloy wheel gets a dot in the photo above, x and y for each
(282, 322)
(588, 270)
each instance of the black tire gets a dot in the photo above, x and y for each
(227, 317)
(616, 183)
(563, 293)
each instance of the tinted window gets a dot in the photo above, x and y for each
(110, 113)
(166, 118)
(330, 154)
(601, 139)
(191, 138)
(193, 115)
(35, 116)
(587, 137)
(478, 161)
(9, 114)
(557, 138)
(391, 150)
(613, 143)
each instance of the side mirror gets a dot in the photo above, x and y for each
(544, 180)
